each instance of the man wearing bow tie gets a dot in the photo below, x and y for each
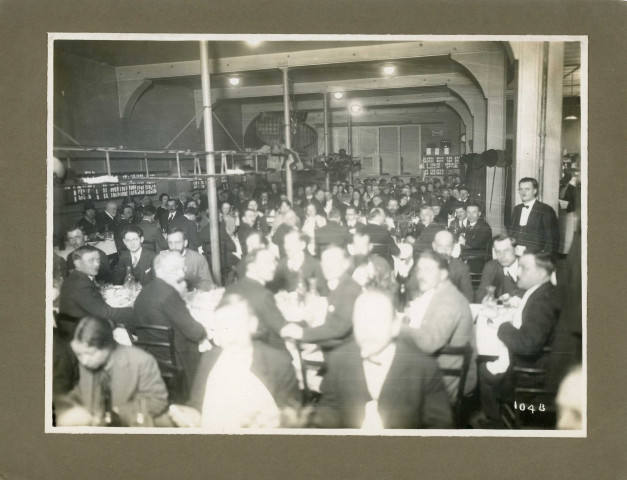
(502, 272)
(534, 224)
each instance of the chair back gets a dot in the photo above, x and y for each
(466, 352)
(163, 331)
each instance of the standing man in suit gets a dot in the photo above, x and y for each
(137, 258)
(160, 303)
(187, 224)
(532, 329)
(534, 224)
(170, 215)
(475, 242)
(333, 233)
(377, 383)
(197, 273)
(80, 295)
(440, 317)
(502, 272)
(337, 327)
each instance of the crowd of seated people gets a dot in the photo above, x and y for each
(399, 264)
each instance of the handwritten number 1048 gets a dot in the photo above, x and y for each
(529, 407)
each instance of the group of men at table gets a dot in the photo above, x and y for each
(380, 371)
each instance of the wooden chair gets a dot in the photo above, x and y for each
(466, 352)
(529, 389)
(309, 396)
(172, 374)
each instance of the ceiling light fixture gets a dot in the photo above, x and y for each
(338, 95)
(389, 69)
(234, 81)
(355, 108)
(253, 43)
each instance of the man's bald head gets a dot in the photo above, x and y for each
(443, 243)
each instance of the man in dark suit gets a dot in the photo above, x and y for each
(377, 383)
(187, 223)
(502, 272)
(425, 231)
(459, 224)
(136, 258)
(107, 219)
(260, 269)
(351, 221)
(532, 329)
(382, 242)
(476, 240)
(245, 228)
(160, 303)
(170, 215)
(337, 327)
(153, 238)
(126, 219)
(534, 224)
(75, 239)
(319, 201)
(80, 295)
(333, 233)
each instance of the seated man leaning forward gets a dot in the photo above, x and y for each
(197, 273)
(376, 382)
(244, 383)
(440, 317)
(117, 386)
(80, 295)
(161, 303)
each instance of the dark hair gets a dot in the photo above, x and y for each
(287, 202)
(80, 252)
(461, 187)
(95, 333)
(502, 237)
(473, 205)
(334, 215)
(191, 211)
(132, 229)
(177, 230)
(73, 228)
(531, 180)
(163, 195)
(375, 213)
(350, 207)
(426, 207)
(544, 260)
(89, 206)
(441, 260)
(149, 210)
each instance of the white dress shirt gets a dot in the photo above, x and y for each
(524, 214)
(376, 369)
(512, 270)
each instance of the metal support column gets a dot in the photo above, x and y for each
(211, 167)
(350, 144)
(178, 165)
(108, 163)
(146, 164)
(325, 106)
(288, 131)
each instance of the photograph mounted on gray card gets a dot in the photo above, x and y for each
(317, 234)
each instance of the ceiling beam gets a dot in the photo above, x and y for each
(327, 56)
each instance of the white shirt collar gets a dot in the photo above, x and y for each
(530, 204)
(512, 270)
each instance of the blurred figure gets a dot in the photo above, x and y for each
(117, 386)
(244, 383)
(88, 222)
(377, 383)
(570, 401)
(197, 273)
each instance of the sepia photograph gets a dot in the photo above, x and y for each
(317, 234)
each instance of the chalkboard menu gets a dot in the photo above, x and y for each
(438, 165)
(106, 191)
